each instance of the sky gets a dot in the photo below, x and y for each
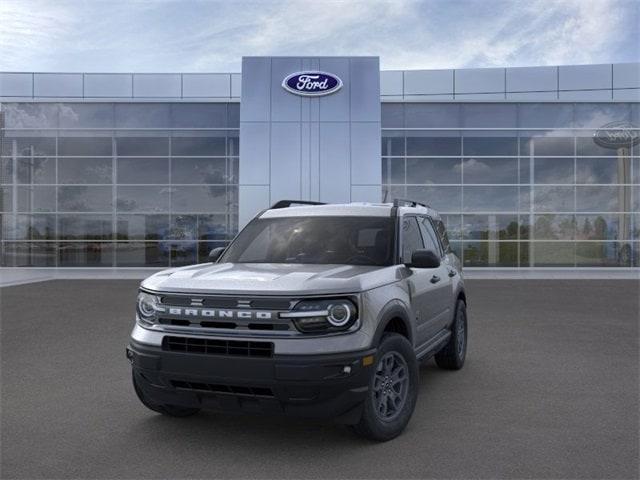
(212, 36)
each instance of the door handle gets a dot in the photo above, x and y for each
(435, 279)
(452, 273)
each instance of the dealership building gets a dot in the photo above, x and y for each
(530, 167)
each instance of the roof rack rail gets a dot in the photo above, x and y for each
(288, 203)
(402, 202)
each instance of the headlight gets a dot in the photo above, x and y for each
(320, 316)
(146, 307)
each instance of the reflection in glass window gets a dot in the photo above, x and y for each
(433, 170)
(141, 255)
(545, 115)
(392, 115)
(490, 199)
(80, 254)
(6, 170)
(36, 199)
(489, 146)
(89, 146)
(603, 254)
(432, 146)
(596, 115)
(588, 147)
(553, 170)
(603, 170)
(29, 146)
(36, 254)
(548, 146)
(6, 199)
(199, 199)
(143, 170)
(554, 227)
(213, 227)
(34, 227)
(606, 198)
(30, 115)
(84, 199)
(85, 227)
(490, 227)
(553, 254)
(86, 115)
(142, 115)
(142, 227)
(484, 115)
(392, 144)
(490, 254)
(143, 199)
(199, 170)
(603, 227)
(78, 170)
(553, 199)
(393, 170)
(443, 199)
(490, 170)
(36, 170)
(198, 146)
(428, 115)
(199, 115)
(142, 146)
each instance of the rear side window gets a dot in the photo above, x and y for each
(411, 238)
(442, 233)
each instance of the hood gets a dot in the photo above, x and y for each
(271, 279)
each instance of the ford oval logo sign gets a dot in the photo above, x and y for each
(617, 135)
(312, 84)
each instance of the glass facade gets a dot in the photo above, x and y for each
(520, 184)
(117, 184)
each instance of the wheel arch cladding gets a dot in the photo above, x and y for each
(394, 318)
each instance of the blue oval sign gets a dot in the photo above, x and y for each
(312, 84)
(617, 135)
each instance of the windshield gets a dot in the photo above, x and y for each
(322, 240)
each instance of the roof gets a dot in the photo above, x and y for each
(354, 209)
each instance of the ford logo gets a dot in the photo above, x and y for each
(617, 135)
(312, 84)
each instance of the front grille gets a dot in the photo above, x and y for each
(228, 389)
(227, 302)
(218, 347)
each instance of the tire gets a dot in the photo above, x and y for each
(453, 354)
(385, 414)
(168, 410)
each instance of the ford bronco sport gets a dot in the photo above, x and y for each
(312, 310)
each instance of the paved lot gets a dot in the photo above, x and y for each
(550, 390)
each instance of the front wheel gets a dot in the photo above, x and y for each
(452, 355)
(169, 410)
(393, 390)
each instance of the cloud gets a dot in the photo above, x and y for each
(198, 35)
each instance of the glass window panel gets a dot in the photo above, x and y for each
(29, 146)
(183, 227)
(485, 115)
(453, 224)
(553, 170)
(141, 255)
(596, 115)
(525, 227)
(554, 227)
(392, 115)
(35, 227)
(553, 254)
(233, 112)
(636, 170)
(420, 144)
(30, 115)
(198, 170)
(204, 248)
(199, 199)
(585, 145)
(142, 227)
(145, 115)
(490, 254)
(142, 146)
(490, 170)
(545, 115)
(490, 227)
(393, 170)
(85, 199)
(553, 199)
(199, 115)
(85, 227)
(36, 170)
(389, 193)
(37, 254)
(603, 199)
(182, 253)
(603, 170)
(81, 254)
(6, 199)
(635, 231)
(36, 199)
(546, 146)
(431, 115)
(488, 146)
(525, 170)
(198, 146)
(143, 199)
(456, 247)
(490, 199)
(85, 146)
(233, 143)
(83, 115)
(434, 170)
(525, 249)
(443, 199)
(6, 170)
(213, 227)
(392, 143)
(603, 254)
(143, 170)
(85, 170)
(233, 170)
(604, 227)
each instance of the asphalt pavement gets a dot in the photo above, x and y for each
(550, 390)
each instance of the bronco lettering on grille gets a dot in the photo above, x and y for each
(216, 313)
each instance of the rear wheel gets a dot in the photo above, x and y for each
(169, 410)
(393, 389)
(453, 354)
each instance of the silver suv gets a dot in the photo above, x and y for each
(312, 310)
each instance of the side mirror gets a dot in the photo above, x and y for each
(214, 254)
(424, 259)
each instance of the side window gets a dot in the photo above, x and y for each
(430, 239)
(411, 239)
(444, 238)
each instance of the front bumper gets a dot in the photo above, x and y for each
(320, 386)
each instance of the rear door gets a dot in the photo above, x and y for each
(422, 290)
